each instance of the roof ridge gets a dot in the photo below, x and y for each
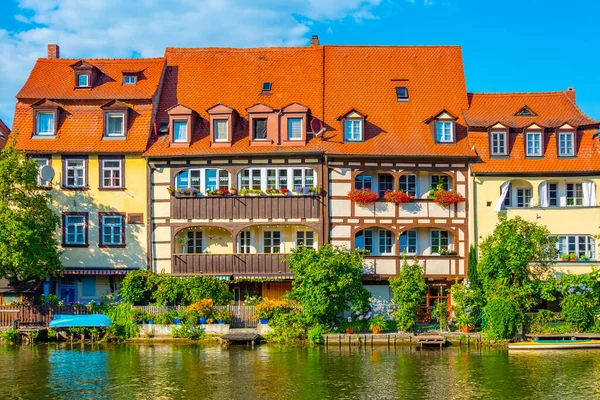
(574, 104)
(102, 59)
(515, 93)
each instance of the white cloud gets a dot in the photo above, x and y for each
(120, 28)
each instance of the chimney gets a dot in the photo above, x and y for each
(53, 51)
(571, 93)
(314, 40)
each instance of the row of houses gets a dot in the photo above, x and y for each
(160, 163)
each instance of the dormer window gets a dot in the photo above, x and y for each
(129, 79)
(115, 124)
(181, 125)
(498, 143)
(180, 131)
(534, 143)
(83, 80)
(401, 93)
(353, 130)
(222, 121)
(221, 130)
(259, 129)
(44, 125)
(566, 144)
(295, 128)
(444, 132)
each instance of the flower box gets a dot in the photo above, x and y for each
(397, 196)
(363, 197)
(447, 197)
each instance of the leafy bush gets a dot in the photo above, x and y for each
(124, 326)
(408, 288)
(467, 303)
(378, 322)
(440, 313)
(202, 308)
(166, 318)
(288, 327)
(315, 334)
(578, 311)
(267, 308)
(11, 335)
(224, 315)
(503, 315)
(136, 287)
(188, 330)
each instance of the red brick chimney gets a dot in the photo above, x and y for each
(571, 93)
(53, 51)
(314, 40)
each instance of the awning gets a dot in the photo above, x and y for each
(98, 271)
(263, 277)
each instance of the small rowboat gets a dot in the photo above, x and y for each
(556, 344)
(61, 321)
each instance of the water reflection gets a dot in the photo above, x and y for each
(165, 371)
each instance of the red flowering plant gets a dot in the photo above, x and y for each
(447, 197)
(363, 197)
(398, 196)
(218, 192)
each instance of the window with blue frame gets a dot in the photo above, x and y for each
(180, 131)
(202, 179)
(295, 128)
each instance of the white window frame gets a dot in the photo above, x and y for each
(216, 122)
(185, 138)
(556, 195)
(304, 233)
(289, 175)
(414, 239)
(290, 131)
(115, 230)
(498, 143)
(404, 186)
(577, 188)
(385, 239)
(196, 236)
(270, 236)
(445, 181)
(119, 115)
(41, 162)
(77, 229)
(245, 243)
(444, 131)
(200, 173)
(129, 79)
(353, 130)
(76, 171)
(566, 243)
(440, 245)
(87, 80)
(524, 197)
(560, 143)
(540, 144)
(118, 169)
(371, 236)
(38, 114)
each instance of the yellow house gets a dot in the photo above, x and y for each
(87, 123)
(538, 159)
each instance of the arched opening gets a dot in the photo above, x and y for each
(203, 240)
(516, 193)
(377, 181)
(375, 241)
(203, 179)
(427, 241)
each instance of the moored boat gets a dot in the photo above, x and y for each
(556, 343)
(80, 321)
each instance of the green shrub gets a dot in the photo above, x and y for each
(408, 288)
(315, 334)
(189, 331)
(288, 327)
(503, 316)
(578, 311)
(124, 326)
(440, 313)
(11, 335)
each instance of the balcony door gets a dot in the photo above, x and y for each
(244, 242)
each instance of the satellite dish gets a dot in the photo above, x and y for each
(47, 173)
(316, 125)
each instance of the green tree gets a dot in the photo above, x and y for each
(328, 282)
(472, 268)
(408, 288)
(28, 246)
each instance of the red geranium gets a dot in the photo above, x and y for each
(397, 196)
(445, 198)
(284, 190)
(222, 192)
(363, 197)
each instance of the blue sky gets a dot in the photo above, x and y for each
(526, 45)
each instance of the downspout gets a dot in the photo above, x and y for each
(326, 231)
(475, 224)
(149, 224)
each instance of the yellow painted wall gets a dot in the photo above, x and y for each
(130, 200)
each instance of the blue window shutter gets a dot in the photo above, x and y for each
(89, 285)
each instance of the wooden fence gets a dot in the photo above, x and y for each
(243, 316)
(36, 315)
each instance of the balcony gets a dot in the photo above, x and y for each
(434, 266)
(267, 265)
(246, 207)
(419, 208)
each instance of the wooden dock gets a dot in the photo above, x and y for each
(430, 340)
(249, 338)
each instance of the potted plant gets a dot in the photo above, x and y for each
(150, 319)
(233, 190)
(223, 317)
(178, 192)
(397, 196)
(171, 190)
(319, 190)
(564, 257)
(273, 192)
(573, 257)
(584, 258)
(306, 190)
(298, 189)
(203, 309)
(363, 197)
(210, 321)
(284, 191)
(464, 322)
(377, 324)
(186, 190)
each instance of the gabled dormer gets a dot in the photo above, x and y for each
(294, 120)
(222, 122)
(525, 111)
(131, 78)
(443, 127)
(85, 74)
(533, 138)
(45, 119)
(566, 140)
(353, 126)
(181, 125)
(498, 140)
(115, 117)
(262, 121)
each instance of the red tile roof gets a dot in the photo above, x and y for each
(4, 133)
(552, 109)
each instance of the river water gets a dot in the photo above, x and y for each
(181, 371)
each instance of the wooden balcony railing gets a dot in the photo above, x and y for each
(269, 265)
(419, 208)
(246, 207)
(447, 266)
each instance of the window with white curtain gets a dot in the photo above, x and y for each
(180, 131)
(203, 179)
(295, 128)
(220, 130)
(580, 245)
(44, 124)
(276, 178)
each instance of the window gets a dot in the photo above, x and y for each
(386, 242)
(259, 129)
(443, 179)
(83, 80)
(305, 239)
(523, 197)
(112, 173)
(443, 131)
(266, 87)
(565, 144)
(44, 125)
(272, 242)
(113, 231)
(221, 130)
(574, 194)
(408, 242)
(353, 130)
(129, 79)
(276, 178)
(41, 162)
(552, 194)
(439, 241)
(88, 285)
(580, 245)
(534, 144)
(295, 128)
(401, 93)
(385, 182)
(408, 184)
(244, 242)
(180, 131)
(364, 241)
(202, 179)
(75, 173)
(115, 125)
(362, 182)
(75, 230)
(194, 242)
(507, 199)
(498, 143)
